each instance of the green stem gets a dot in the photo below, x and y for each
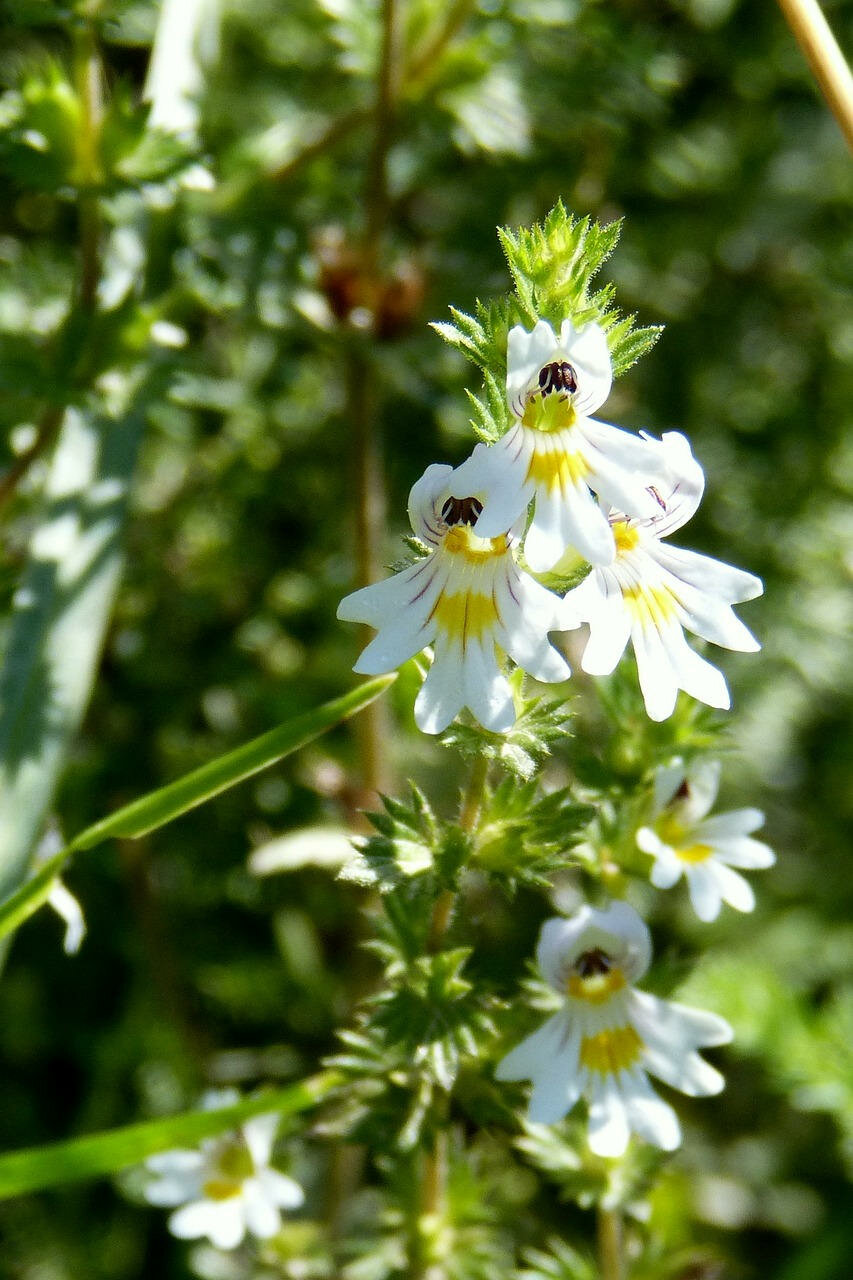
(609, 1231)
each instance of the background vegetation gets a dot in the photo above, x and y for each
(263, 325)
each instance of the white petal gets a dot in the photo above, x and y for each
(668, 779)
(587, 352)
(281, 1190)
(68, 909)
(262, 1216)
(525, 1060)
(681, 1024)
(496, 475)
(568, 518)
(711, 619)
(751, 855)
(695, 675)
(179, 1161)
(609, 624)
(731, 825)
(703, 783)
(617, 929)
(679, 482)
(259, 1132)
(705, 890)
(713, 577)
(735, 890)
(221, 1221)
(487, 690)
(557, 1084)
(623, 469)
(526, 354)
(172, 1189)
(229, 1225)
(441, 696)
(649, 1116)
(658, 680)
(608, 1120)
(425, 501)
(666, 871)
(382, 601)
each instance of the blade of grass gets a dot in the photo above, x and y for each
(98, 1155)
(167, 803)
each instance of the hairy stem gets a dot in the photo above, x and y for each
(609, 1231)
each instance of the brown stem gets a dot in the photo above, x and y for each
(813, 34)
(48, 427)
(89, 78)
(332, 134)
(609, 1231)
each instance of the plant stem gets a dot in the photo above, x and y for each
(609, 1231)
(813, 34)
(89, 79)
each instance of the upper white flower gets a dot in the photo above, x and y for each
(467, 597)
(607, 1036)
(226, 1187)
(556, 454)
(684, 841)
(652, 591)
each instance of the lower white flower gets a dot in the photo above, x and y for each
(556, 454)
(652, 591)
(684, 841)
(608, 1036)
(468, 598)
(226, 1187)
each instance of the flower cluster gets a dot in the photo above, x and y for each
(610, 495)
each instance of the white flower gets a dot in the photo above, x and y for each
(226, 1187)
(652, 591)
(556, 453)
(187, 37)
(466, 598)
(607, 1036)
(683, 840)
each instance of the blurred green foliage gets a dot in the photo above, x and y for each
(238, 320)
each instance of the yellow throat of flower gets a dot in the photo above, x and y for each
(625, 537)
(548, 413)
(461, 540)
(611, 1051)
(597, 988)
(233, 1166)
(677, 836)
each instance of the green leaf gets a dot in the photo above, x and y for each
(159, 807)
(60, 614)
(99, 1154)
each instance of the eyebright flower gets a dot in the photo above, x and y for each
(466, 598)
(652, 591)
(556, 454)
(226, 1187)
(684, 841)
(607, 1035)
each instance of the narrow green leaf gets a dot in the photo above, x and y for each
(169, 802)
(100, 1154)
(159, 807)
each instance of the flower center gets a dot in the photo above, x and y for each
(461, 511)
(677, 836)
(594, 977)
(548, 413)
(625, 536)
(611, 1051)
(233, 1165)
(460, 540)
(557, 376)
